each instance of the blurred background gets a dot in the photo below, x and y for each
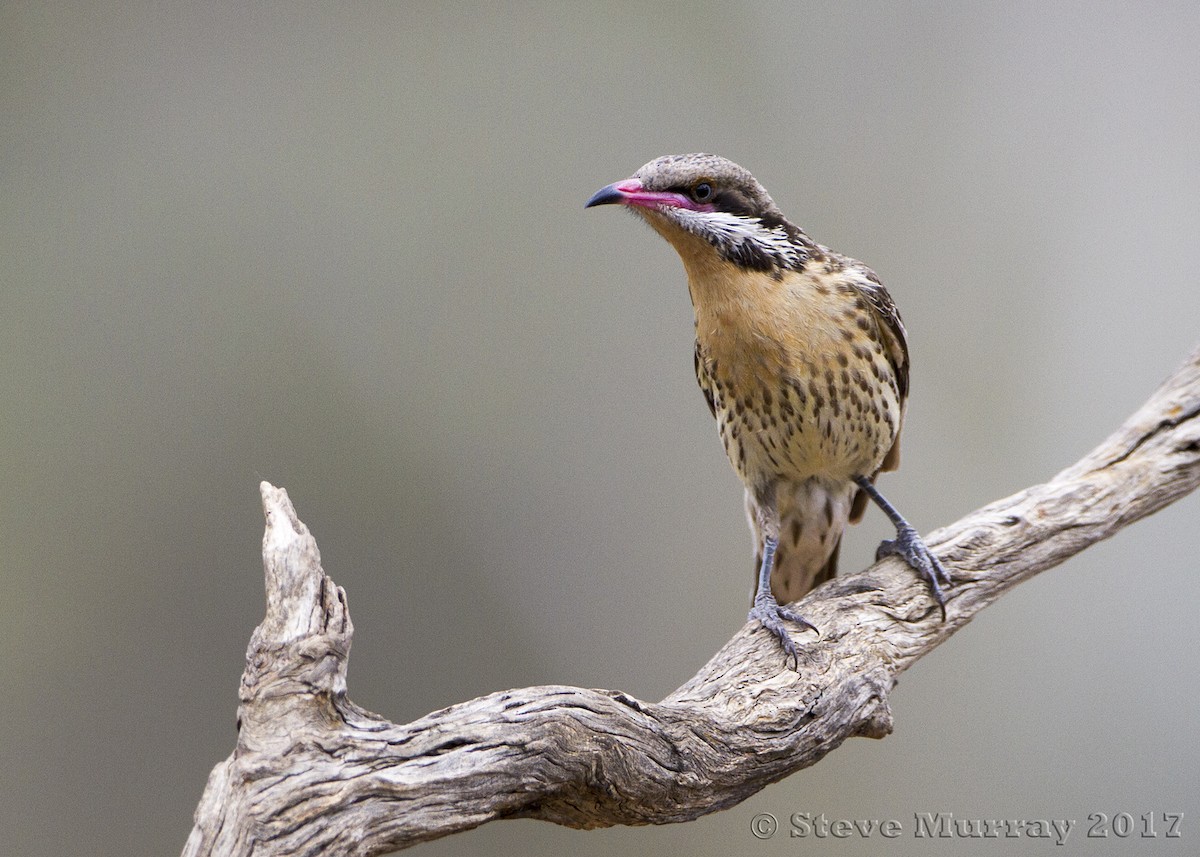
(345, 250)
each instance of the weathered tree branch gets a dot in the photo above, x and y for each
(312, 773)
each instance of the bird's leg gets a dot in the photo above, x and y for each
(908, 545)
(766, 610)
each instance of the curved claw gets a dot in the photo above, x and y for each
(910, 547)
(769, 614)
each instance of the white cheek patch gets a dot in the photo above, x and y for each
(739, 238)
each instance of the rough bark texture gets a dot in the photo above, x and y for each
(312, 773)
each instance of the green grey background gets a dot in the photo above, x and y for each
(343, 249)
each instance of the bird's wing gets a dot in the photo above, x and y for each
(895, 339)
(703, 378)
(895, 347)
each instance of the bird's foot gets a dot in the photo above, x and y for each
(771, 615)
(910, 547)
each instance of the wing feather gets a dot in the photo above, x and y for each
(704, 378)
(895, 345)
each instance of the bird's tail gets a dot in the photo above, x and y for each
(811, 520)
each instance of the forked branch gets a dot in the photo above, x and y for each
(312, 773)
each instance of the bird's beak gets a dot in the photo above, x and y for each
(617, 193)
(631, 192)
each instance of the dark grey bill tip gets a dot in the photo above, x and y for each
(605, 196)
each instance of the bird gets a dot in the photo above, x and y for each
(803, 359)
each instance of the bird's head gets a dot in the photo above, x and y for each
(685, 197)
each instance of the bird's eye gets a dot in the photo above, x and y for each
(702, 192)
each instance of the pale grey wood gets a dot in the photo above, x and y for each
(312, 773)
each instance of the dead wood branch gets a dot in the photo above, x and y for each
(312, 773)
